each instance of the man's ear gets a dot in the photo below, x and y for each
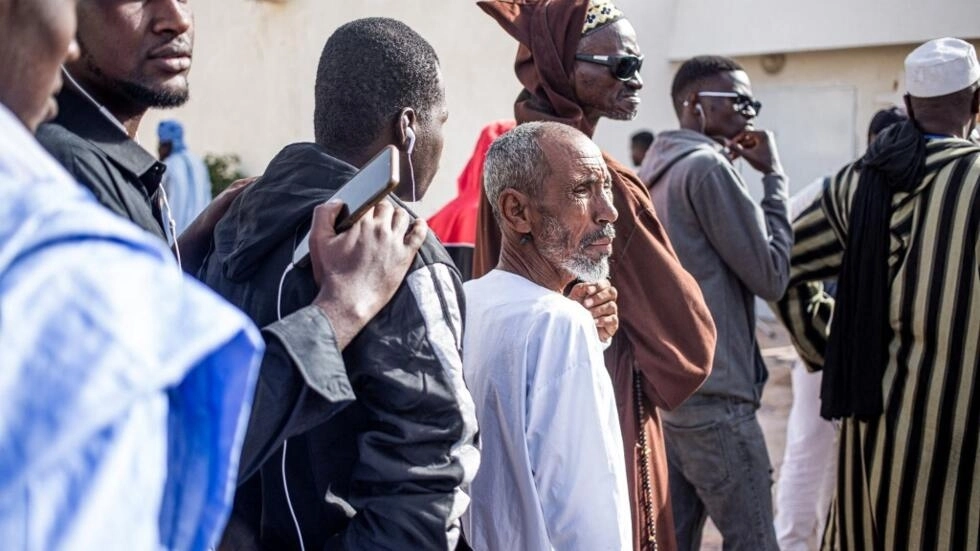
(514, 211)
(692, 102)
(685, 108)
(908, 108)
(975, 107)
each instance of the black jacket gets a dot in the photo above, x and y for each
(381, 469)
(123, 176)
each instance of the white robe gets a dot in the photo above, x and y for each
(552, 472)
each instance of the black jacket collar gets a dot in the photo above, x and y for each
(81, 117)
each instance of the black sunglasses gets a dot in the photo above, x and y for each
(623, 67)
(747, 106)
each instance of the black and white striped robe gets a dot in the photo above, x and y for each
(909, 479)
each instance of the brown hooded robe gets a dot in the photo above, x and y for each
(666, 333)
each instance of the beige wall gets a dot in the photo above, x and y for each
(255, 62)
(762, 26)
(254, 69)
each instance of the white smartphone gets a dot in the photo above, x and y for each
(371, 184)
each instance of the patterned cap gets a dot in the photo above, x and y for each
(599, 14)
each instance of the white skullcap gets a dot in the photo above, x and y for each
(939, 67)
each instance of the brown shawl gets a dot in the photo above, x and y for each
(666, 334)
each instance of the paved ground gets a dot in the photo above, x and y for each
(776, 400)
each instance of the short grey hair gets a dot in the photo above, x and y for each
(516, 161)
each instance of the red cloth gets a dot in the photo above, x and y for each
(455, 223)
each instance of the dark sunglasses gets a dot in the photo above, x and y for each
(747, 106)
(623, 67)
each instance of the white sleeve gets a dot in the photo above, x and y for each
(806, 196)
(575, 445)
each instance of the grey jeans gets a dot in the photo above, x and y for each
(719, 467)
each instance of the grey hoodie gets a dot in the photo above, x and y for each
(735, 248)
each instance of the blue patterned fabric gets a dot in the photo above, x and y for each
(125, 386)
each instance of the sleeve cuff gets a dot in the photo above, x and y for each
(776, 184)
(605, 344)
(308, 339)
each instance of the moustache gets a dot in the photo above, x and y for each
(607, 232)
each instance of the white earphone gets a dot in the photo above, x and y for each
(697, 107)
(409, 147)
(410, 136)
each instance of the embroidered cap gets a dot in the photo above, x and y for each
(599, 14)
(940, 67)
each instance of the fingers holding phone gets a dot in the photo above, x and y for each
(360, 269)
(386, 238)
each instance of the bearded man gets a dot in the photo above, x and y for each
(553, 473)
(135, 56)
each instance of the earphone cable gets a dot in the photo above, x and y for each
(285, 485)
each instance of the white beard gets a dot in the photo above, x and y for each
(587, 270)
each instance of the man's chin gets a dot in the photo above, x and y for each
(162, 96)
(589, 270)
(623, 114)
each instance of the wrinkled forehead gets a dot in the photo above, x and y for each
(574, 159)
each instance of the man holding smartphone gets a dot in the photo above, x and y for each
(373, 456)
(737, 250)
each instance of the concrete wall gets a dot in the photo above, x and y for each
(763, 26)
(255, 63)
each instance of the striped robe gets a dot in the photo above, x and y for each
(909, 479)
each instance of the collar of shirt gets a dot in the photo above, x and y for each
(79, 115)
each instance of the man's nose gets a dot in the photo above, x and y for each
(606, 213)
(636, 82)
(175, 16)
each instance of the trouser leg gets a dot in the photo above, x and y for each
(804, 489)
(720, 450)
(689, 513)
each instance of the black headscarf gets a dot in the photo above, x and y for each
(857, 351)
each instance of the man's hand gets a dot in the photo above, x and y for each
(195, 241)
(758, 147)
(359, 270)
(600, 300)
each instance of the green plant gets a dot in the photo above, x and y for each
(223, 170)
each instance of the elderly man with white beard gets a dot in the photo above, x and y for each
(552, 472)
